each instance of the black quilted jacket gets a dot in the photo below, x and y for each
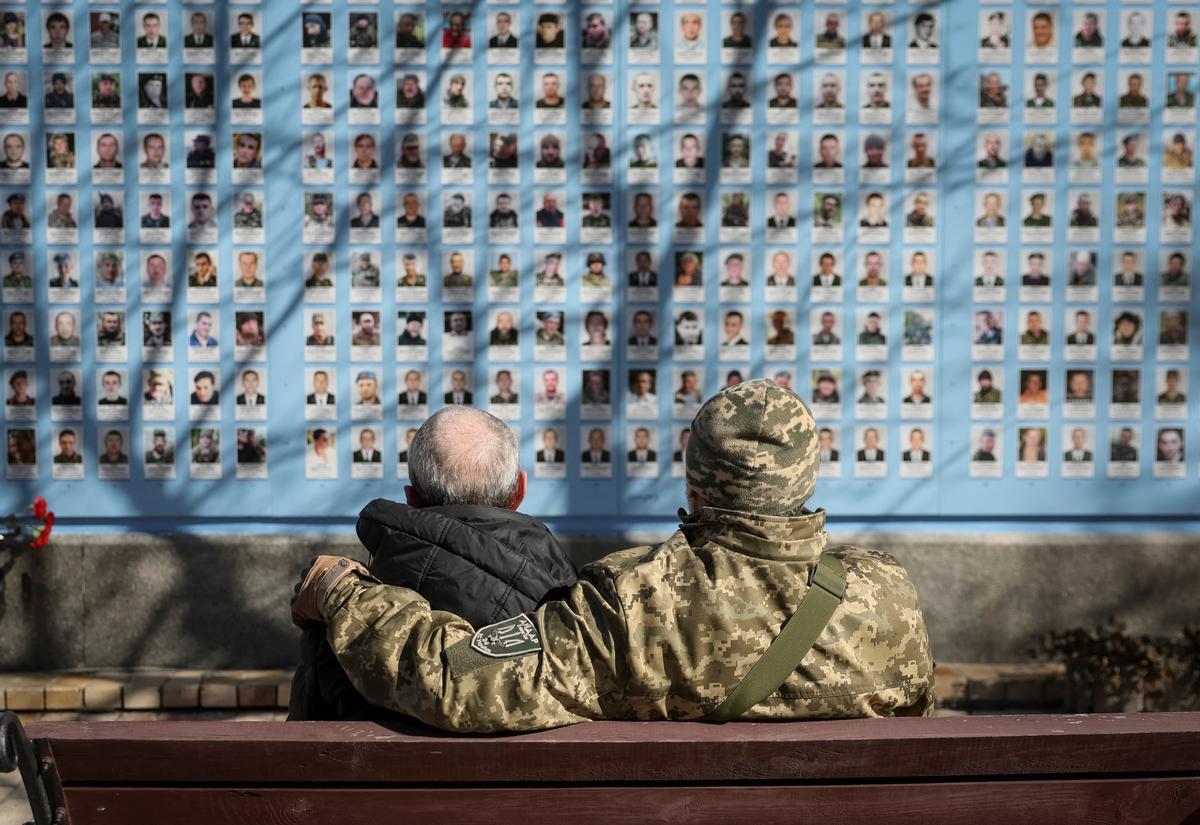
(481, 563)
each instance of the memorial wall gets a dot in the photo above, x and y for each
(247, 248)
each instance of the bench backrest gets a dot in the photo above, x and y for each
(1033, 768)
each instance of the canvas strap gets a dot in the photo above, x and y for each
(827, 588)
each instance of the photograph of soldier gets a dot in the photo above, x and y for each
(19, 394)
(1081, 335)
(111, 384)
(1031, 445)
(1172, 328)
(1080, 386)
(596, 387)
(160, 389)
(412, 153)
(1127, 329)
(1088, 97)
(156, 329)
(1035, 333)
(205, 389)
(457, 94)
(158, 448)
(643, 211)
(595, 330)
(985, 449)
(830, 35)
(1033, 387)
(596, 451)
(410, 31)
(113, 446)
(1088, 34)
(597, 93)
(1123, 445)
(409, 94)
(251, 447)
(67, 451)
(412, 395)
(872, 332)
(1126, 386)
(1172, 392)
(458, 392)
(1078, 452)
(110, 329)
(1169, 446)
(1134, 96)
(503, 38)
(550, 452)
(916, 452)
(63, 271)
(504, 333)
(917, 396)
(1177, 212)
(1035, 274)
(870, 452)
(548, 33)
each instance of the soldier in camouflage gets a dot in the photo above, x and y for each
(655, 633)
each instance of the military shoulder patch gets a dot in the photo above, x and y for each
(512, 637)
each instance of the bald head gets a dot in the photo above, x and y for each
(462, 455)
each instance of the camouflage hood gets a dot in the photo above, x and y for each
(754, 447)
(780, 538)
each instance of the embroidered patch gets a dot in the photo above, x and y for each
(511, 637)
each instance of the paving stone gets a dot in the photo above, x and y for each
(283, 698)
(949, 685)
(65, 692)
(962, 686)
(257, 688)
(143, 692)
(218, 691)
(182, 689)
(24, 692)
(100, 694)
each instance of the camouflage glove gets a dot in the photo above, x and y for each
(323, 575)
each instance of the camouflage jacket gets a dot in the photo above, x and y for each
(650, 633)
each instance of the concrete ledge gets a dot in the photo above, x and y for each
(961, 687)
(218, 601)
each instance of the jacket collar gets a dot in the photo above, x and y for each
(782, 538)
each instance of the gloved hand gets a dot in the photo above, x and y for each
(323, 575)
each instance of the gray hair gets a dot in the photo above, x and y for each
(462, 455)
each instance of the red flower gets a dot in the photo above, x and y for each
(43, 533)
(39, 507)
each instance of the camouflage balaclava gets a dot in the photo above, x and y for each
(753, 448)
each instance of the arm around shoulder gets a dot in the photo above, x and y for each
(555, 667)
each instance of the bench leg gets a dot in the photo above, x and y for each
(16, 753)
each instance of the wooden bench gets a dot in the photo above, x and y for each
(979, 769)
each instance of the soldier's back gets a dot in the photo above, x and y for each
(701, 609)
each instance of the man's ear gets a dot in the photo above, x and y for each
(412, 497)
(519, 493)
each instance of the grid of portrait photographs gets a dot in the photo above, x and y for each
(587, 218)
(1083, 240)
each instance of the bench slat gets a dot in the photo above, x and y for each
(1097, 802)
(222, 753)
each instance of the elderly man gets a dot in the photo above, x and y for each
(668, 632)
(459, 542)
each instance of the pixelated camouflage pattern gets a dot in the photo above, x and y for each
(754, 447)
(652, 633)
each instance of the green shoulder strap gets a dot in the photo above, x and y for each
(827, 588)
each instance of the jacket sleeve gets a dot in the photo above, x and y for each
(402, 655)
